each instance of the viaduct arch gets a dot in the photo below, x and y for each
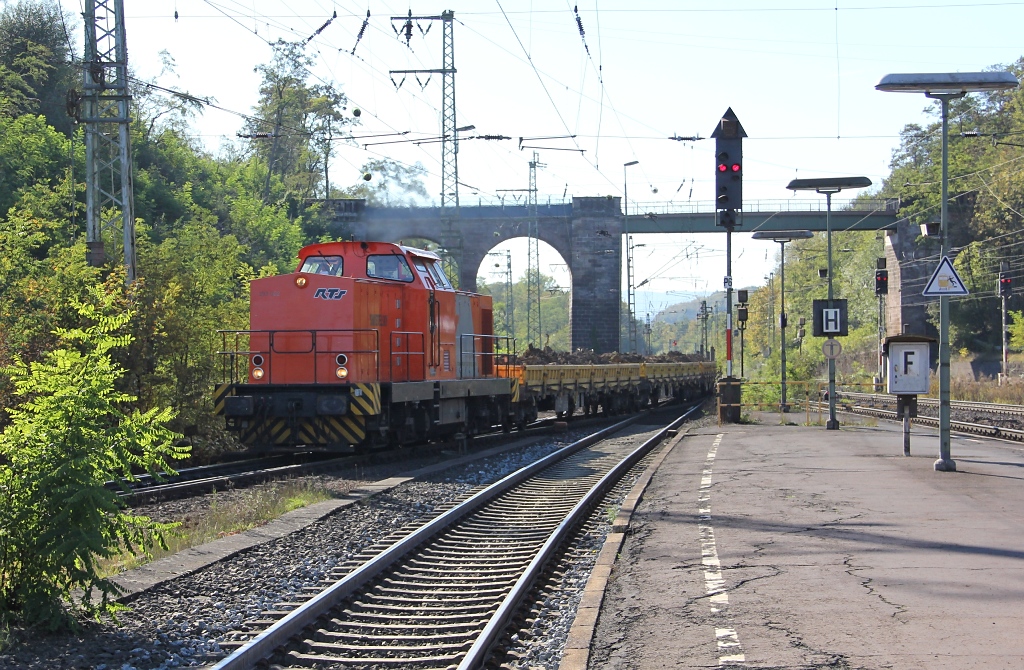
(587, 233)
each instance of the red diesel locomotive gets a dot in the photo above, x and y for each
(367, 344)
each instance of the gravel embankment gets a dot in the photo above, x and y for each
(180, 622)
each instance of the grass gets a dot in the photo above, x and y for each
(244, 510)
(1011, 392)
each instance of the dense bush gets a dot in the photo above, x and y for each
(71, 432)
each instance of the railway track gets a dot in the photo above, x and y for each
(204, 479)
(986, 430)
(999, 409)
(442, 596)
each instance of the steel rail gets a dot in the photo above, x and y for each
(481, 649)
(1014, 434)
(189, 481)
(264, 644)
(964, 405)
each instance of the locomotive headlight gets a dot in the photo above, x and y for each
(257, 373)
(257, 360)
(341, 373)
(300, 281)
(341, 359)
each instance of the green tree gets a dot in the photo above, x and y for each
(34, 31)
(292, 120)
(71, 432)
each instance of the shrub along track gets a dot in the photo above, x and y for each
(444, 595)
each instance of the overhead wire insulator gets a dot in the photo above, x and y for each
(583, 34)
(362, 30)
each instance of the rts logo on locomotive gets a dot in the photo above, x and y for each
(330, 293)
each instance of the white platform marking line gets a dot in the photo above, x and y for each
(730, 652)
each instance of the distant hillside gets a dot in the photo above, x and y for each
(687, 311)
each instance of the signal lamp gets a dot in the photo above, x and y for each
(257, 360)
(735, 167)
(300, 282)
(881, 282)
(722, 167)
(257, 373)
(341, 373)
(1005, 285)
(341, 359)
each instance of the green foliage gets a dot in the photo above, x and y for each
(391, 184)
(31, 153)
(71, 432)
(555, 312)
(295, 123)
(35, 46)
(194, 285)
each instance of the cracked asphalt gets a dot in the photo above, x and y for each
(836, 551)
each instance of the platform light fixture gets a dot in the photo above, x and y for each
(828, 186)
(945, 87)
(783, 237)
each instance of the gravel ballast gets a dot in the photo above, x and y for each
(183, 621)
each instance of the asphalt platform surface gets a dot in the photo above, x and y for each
(768, 546)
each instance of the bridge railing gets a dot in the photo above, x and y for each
(886, 205)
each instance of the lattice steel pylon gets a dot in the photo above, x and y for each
(534, 324)
(109, 193)
(451, 239)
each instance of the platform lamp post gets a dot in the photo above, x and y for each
(828, 186)
(782, 237)
(945, 87)
(630, 295)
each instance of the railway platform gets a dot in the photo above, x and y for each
(769, 546)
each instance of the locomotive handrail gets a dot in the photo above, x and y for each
(236, 356)
(491, 356)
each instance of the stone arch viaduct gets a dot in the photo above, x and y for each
(588, 234)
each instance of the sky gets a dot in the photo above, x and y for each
(799, 74)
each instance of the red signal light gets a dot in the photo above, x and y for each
(735, 167)
(722, 167)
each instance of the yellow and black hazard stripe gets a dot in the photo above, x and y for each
(365, 400)
(280, 431)
(515, 389)
(220, 392)
(323, 431)
(349, 429)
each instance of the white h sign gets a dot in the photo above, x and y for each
(830, 321)
(909, 368)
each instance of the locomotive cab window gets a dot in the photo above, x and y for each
(438, 274)
(390, 266)
(323, 265)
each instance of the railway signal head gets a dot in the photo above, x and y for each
(728, 138)
(1005, 285)
(741, 296)
(881, 282)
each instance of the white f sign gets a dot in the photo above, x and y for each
(909, 367)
